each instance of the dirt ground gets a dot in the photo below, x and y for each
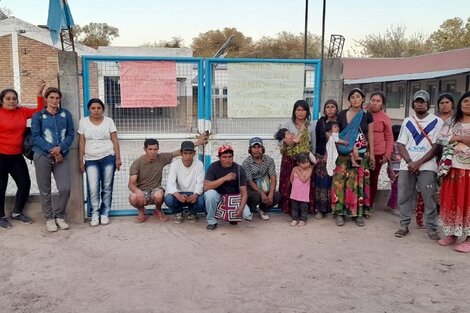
(258, 266)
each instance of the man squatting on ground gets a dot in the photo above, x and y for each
(184, 184)
(146, 178)
(261, 179)
(225, 177)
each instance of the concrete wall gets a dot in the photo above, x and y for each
(332, 84)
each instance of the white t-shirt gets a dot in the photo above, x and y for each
(185, 179)
(416, 143)
(98, 142)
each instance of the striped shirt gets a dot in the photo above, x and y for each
(258, 170)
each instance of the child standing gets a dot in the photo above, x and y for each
(300, 180)
(393, 170)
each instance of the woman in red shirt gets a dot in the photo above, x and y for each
(12, 128)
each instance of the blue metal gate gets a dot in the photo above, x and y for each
(205, 101)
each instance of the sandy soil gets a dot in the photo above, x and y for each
(257, 266)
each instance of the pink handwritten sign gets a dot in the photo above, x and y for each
(148, 84)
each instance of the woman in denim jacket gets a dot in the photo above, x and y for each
(52, 131)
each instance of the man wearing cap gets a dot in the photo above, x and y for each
(184, 184)
(261, 179)
(145, 180)
(418, 149)
(225, 177)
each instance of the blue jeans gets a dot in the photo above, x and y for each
(100, 180)
(177, 207)
(212, 200)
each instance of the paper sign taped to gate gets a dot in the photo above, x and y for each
(263, 89)
(148, 84)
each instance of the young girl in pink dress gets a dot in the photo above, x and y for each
(299, 196)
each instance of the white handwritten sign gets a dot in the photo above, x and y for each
(148, 84)
(263, 89)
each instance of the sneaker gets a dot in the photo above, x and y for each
(360, 221)
(211, 226)
(95, 220)
(4, 222)
(293, 223)
(319, 215)
(249, 217)
(263, 215)
(395, 211)
(402, 232)
(339, 220)
(178, 218)
(192, 218)
(104, 220)
(22, 218)
(51, 226)
(434, 235)
(62, 224)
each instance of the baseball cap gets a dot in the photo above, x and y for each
(421, 94)
(223, 149)
(256, 141)
(187, 146)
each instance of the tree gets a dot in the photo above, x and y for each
(287, 46)
(95, 34)
(175, 42)
(452, 34)
(394, 43)
(208, 43)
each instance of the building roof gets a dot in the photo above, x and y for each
(367, 70)
(16, 25)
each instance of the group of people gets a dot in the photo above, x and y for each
(329, 167)
(52, 132)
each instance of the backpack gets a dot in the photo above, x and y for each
(28, 144)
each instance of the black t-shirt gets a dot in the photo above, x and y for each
(367, 118)
(216, 171)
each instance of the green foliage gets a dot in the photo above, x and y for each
(287, 45)
(95, 34)
(174, 42)
(394, 43)
(452, 34)
(284, 45)
(208, 43)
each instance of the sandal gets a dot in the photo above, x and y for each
(141, 219)
(293, 223)
(463, 247)
(402, 232)
(160, 215)
(301, 223)
(447, 241)
(434, 235)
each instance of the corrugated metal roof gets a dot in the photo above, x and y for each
(415, 76)
(362, 70)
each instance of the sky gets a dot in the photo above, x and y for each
(142, 21)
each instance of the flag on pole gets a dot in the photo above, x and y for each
(59, 18)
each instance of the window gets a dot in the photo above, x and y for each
(112, 89)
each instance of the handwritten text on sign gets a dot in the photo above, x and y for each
(148, 84)
(263, 89)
